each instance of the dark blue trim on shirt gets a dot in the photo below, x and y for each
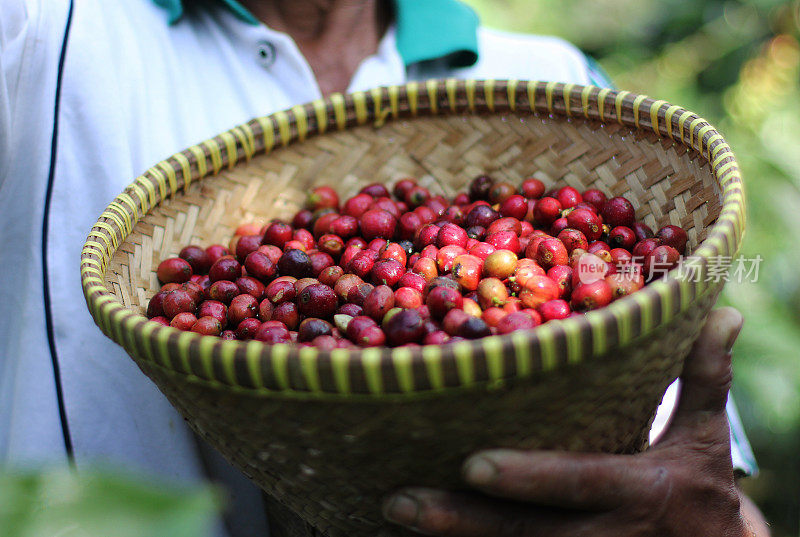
(48, 312)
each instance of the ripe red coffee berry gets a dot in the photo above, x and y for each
(619, 211)
(513, 322)
(546, 211)
(538, 290)
(596, 198)
(215, 251)
(155, 308)
(207, 326)
(197, 258)
(178, 301)
(312, 328)
(572, 239)
(259, 266)
(532, 188)
(247, 328)
(225, 268)
(377, 223)
(357, 205)
(242, 307)
(621, 237)
(378, 302)
(661, 260)
(317, 300)
(568, 197)
(174, 270)
(554, 309)
(183, 321)
(279, 291)
(467, 271)
(451, 234)
(406, 297)
(479, 187)
(302, 219)
(442, 299)
(222, 291)
(407, 326)
(642, 231)
(272, 334)
(376, 190)
(481, 215)
(590, 296)
(673, 236)
(295, 263)
(551, 252)
(322, 197)
(387, 272)
(246, 245)
(586, 222)
(287, 314)
(215, 309)
(643, 248)
(277, 233)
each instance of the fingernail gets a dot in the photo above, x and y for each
(732, 337)
(402, 509)
(480, 471)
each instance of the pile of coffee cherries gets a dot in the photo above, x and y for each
(407, 267)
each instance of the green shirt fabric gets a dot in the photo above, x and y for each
(426, 29)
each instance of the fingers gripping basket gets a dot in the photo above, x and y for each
(328, 434)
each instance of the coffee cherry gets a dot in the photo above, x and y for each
(673, 236)
(546, 211)
(183, 321)
(532, 188)
(174, 270)
(377, 223)
(442, 299)
(197, 258)
(618, 211)
(589, 296)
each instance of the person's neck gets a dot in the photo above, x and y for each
(334, 36)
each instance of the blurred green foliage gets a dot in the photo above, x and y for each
(95, 503)
(737, 63)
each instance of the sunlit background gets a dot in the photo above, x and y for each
(736, 63)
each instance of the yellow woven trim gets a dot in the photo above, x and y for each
(585, 94)
(601, 102)
(340, 361)
(567, 94)
(268, 132)
(618, 105)
(548, 93)
(308, 363)
(466, 368)
(713, 138)
(522, 352)
(654, 108)
(124, 215)
(159, 178)
(279, 357)
(701, 134)
(321, 114)
(682, 123)
(146, 330)
(493, 350)
(301, 120)
(184, 339)
(86, 251)
(253, 358)
(599, 341)
(377, 105)
(200, 158)
(666, 303)
(171, 176)
(723, 147)
(431, 86)
(230, 148)
(150, 188)
(339, 110)
(394, 100)
(726, 168)
(216, 154)
(103, 236)
(624, 326)
(692, 126)
(412, 94)
(130, 203)
(450, 86)
(401, 358)
(247, 138)
(110, 229)
(531, 90)
(360, 107)
(206, 351)
(637, 104)
(548, 349)
(371, 361)
(668, 118)
(186, 168)
(469, 89)
(284, 127)
(103, 251)
(511, 89)
(573, 341)
(488, 93)
(433, 363)
(645, 311)
(226, 355)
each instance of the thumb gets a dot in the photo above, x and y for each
(707, 374)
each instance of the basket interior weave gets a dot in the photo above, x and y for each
(667, 182)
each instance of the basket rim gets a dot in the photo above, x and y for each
(289, 370)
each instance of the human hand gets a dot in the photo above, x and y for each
(683, 485)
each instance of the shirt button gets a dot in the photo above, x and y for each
(266, 53)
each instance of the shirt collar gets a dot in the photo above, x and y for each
(426, 29)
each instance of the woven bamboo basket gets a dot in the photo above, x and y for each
(329, 434)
